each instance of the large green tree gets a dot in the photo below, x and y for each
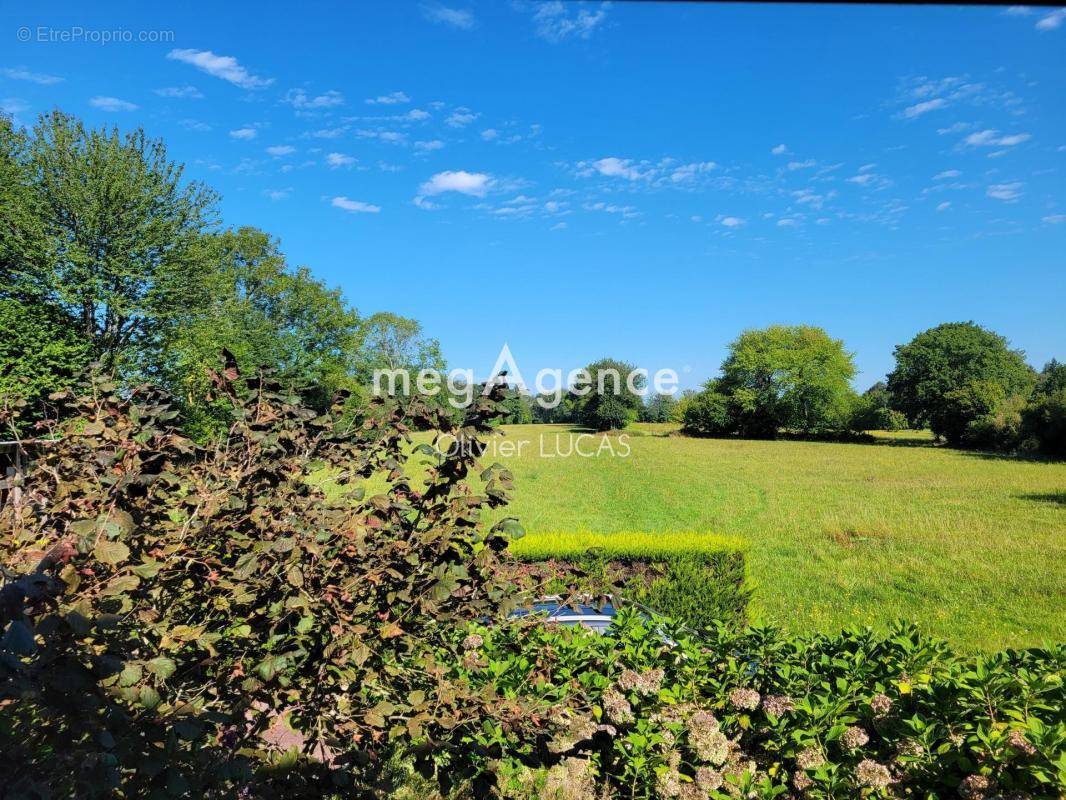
(948, 376)
(266, 314)
(788, 376)
(611, 402)
(119, 226)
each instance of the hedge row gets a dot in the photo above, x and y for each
(695, 577)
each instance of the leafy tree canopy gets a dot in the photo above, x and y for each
(948, 375)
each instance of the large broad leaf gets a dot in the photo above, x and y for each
(109, 552)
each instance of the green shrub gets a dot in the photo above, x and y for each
(699, 579)
(652, 712)
(998, 429)
(709, 413)
(1044, 422)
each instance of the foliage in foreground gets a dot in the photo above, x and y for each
(181, 620)
(189, 622)
(652, 713)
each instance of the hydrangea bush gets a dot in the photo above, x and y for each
(649, 712)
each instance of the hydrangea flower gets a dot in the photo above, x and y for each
(854, 737)
(778, 704)
(747, 699)
(881, 704)
(870, 773)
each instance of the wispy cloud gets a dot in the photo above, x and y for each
(113, 104)
(391, 99)
(225, 67)
(732, 222)
(948, 173)
(300, 100)
(277, 194)
(910, 112)
(1052, 21)
(281, 150)
(1008, 192)
(556, 21)
(13, 106)
(23, 74)
(454, 17)
(337, 160)
(180, 92)
(244, 133)
(460, 118)
(993, 138)
(354, 206)
(779, 150)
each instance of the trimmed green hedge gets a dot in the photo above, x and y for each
(698, 579)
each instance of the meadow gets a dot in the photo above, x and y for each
(970, 546)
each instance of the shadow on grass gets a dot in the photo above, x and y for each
(1054, 498)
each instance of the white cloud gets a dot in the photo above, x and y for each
(425, 147)
(944, 206)
(555, 22)
(460, 118)
(1054, 219)
(13, 106)
(558, 226)
(948, 173)
(391, 99)
(1018, 11)
(326, 133)
(910, 112)
(455, 17)
(392, 137)
(992, 138)
(611, 208)
(617, 168)
(112, 104)
(280, 150)
(23, 74)
(732, 222)
(225, 67)
(810, 162)
(475, 184)
(489, 134)
(688, 172)
(416, 114)
(863, 178)
(277, 194)
(180, 92)
(194, 125)
(787, 222)
(1051, 21)
(1008, 192)
(355, 206)
(244, 133)
(780, 150)
(299, 99)
(339, 160)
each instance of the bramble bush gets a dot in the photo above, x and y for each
(199, 621)
(187, 621)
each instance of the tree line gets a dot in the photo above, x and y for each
(108, 255)
(959, 379)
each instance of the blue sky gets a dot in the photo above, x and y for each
(636, 180)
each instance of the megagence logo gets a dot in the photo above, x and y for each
(547, 390)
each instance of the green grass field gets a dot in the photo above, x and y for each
(970, 546)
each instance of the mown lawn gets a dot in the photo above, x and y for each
(970, 546)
